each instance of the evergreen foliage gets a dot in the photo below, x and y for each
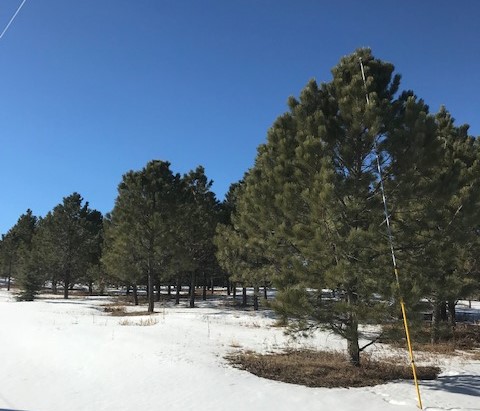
(310, 212)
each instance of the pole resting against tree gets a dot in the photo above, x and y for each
(392, 250)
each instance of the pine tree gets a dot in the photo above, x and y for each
(200, 212)
(21, 263)
(66, 241)
(436, 219)
(144, 222)
(310, 213)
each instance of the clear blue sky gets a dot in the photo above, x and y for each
(93, 88)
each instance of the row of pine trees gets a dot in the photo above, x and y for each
(307, 218)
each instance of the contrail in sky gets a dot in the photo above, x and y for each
(13, 18)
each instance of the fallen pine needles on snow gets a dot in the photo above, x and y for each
(325, 369)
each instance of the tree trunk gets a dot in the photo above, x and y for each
(244, 296)
(256, 291)
(54, 287)
(452, 313)
(436, 315)
(228, 287)
(265, 294)
(66, 284)
(169, 290)
(351, 330)
(234, 290)
(452, 317)
(204, 291)
(151, 296)
(177, 291)
(158, 286)
(211, 286)
(192, 288)
(9, 277)
(135, 294)
(443, 311)
(128, 291)
(90, 287)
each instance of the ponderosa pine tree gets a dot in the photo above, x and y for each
(17, 257)
(7, 258)
(143, 225)
(311, 206)
(120, 258)
(67, 238)
(201, 213)
(436, 216)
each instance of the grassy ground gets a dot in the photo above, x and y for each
(325, 369)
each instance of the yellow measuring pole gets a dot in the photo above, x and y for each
(392, 250)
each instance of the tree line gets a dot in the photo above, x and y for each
(307, 218)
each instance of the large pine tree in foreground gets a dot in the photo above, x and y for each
(310, 211)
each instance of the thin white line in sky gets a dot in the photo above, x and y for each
(13, 18)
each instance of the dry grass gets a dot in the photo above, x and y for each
(115, 310)
(466, 337)
(325, 369)
(120, 310)
(143, 322)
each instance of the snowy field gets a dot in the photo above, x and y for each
(61, 355)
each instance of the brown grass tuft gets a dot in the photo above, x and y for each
(325, 369)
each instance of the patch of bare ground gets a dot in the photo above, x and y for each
(325, 369)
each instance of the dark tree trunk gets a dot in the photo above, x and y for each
(256, 291)
(234, 290)
(66, 284)
(192, 288)
(351, 330)
(158, 286)
(244, 296)
(443, 311)
(177, 291)
(54, 287)
(150, 293)
(265, 294)
(9, 277)
(211, 287)
(452, 313)
(436, 316)
(128, 291)
(169, 290)
(90, 287)
(135, 294)
(204, 291)
(228, 287)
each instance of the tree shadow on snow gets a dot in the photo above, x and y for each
(457, 384)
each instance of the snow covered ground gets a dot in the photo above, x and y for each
(61, 355)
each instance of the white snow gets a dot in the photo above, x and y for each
(61, 355)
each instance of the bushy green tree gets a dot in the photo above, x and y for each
(67, 241)
(143, 224)
(18, 256)
(200, 211)
(310, 213)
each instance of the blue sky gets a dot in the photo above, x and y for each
(94, 88)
